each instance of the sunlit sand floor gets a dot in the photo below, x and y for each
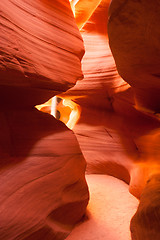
(109, 212)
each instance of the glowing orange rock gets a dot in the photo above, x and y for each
(134, 39)
(121, 140)
(101, 81)
(83, 10)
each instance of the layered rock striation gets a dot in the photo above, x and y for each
(40, 49)
(43, 188)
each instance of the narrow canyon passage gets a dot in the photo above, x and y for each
(109, 211)
(79, 120)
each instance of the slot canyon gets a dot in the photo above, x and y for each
(80, 120)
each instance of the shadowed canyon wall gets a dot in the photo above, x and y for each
(134, 40)
(43, 188)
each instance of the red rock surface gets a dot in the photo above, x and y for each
(134, 39)
(40, 50)
(138, 132)
(123, 139)
(101, 81)
(43, 189)
(120, 146)
(44, 192)
(146, 222)
(120, 137)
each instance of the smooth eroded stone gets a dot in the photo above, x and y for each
(146, 222)
(43, 188)
(101, 80)
(40, 50)
(126, 147)
(134, 34)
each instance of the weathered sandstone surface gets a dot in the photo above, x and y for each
(43, 189)
(101, 81)
(134, 39)
(40, 50)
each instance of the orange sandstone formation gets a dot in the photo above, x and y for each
(40, 49)
(101, 81)
(43, 188)
(123, 139)
(134, 40)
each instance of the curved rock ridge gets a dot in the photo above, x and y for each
(134, 40)
(136, 133)
(133, 37)
(122, 141)
(40, 50)
(43, 188)
(101, 80)
(125, 147)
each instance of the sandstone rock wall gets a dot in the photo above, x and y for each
(40, 49)
(43, 188)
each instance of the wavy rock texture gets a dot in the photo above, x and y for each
(44, 192)
(118, 140)
(134, 39)
(43, 189)
(122, 140)
(40, 50)
(101, 81)
(120, 146)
